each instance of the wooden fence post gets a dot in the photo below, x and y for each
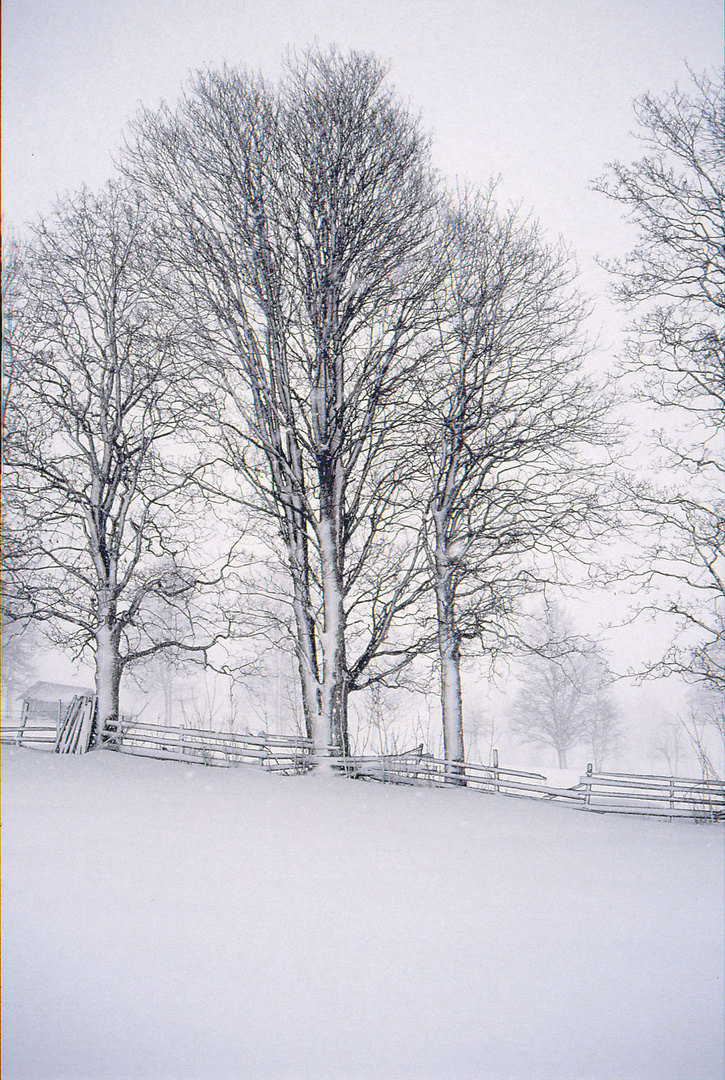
(23, 722)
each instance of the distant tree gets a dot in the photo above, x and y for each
(563, 702)
(603, 730)
(89, 485)
(668, 744)
(19, 646)
(705, 728)
(504, 420)
(674, 278)
(481, 734)
(302, 218)
(165, 678)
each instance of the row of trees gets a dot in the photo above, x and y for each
(279, 313)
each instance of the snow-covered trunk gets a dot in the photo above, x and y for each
(449, 651)
(108, 673)
(340, 738)
(328, 411)
(289, 483)
(306, 658)
(333, 690)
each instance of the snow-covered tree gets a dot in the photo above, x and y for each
(301, 216)
(504, 421)
(674, 282)
(99, 512)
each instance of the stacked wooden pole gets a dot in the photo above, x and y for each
(74, 736)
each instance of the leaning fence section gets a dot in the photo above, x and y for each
(71, 734)
(421, 768)
(76, 727)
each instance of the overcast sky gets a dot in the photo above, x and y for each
(538, 91)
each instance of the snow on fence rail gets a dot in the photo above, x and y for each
(661, 796)
(71, 734)
(419, 768)
(38, 737)
(277, 753)
(621, 793)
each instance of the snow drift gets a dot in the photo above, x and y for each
(165, 922)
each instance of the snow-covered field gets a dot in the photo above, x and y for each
(168, 922)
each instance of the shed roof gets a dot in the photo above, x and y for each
(52, 691)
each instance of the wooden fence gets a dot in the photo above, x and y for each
(37, 737)
(76, 727)
(276, 753)
(420, 768)
(70, 735)
(658, 796)
(621, 793)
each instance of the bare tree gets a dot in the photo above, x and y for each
(705, 729)
(563, 690)
(19, 645)
(11, 327)
(89, 483)
(674, 278)
(668, 744)
(603, 730)
(504, 421)
(12, 360)
(302, 216)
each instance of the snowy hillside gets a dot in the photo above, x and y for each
(173, 922)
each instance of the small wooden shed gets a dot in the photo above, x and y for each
(57, 716)
(46, 702)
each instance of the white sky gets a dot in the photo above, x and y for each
(539, 91)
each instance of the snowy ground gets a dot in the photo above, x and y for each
(175, 922)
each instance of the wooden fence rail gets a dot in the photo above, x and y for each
(424, 769)
(660, 796)
(40, 737)
(276, 753)
(621, 793)
(653, 796)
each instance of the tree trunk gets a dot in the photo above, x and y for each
(562, 758)
(449, 650)
(108, 677)
(306, 659)
(333, 705)
(451, 697)
(340, 737)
